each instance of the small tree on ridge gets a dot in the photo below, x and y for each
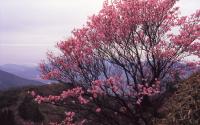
(122, 56)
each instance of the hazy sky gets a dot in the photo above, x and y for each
(28, 28)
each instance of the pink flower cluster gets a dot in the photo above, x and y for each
(100, 86)
(69, 120)
(98, 110)
(69, 117)
(75, 92)
(147, 90)
(115, 86)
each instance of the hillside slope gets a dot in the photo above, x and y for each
(17, 107)
(8, 80)
(183, 107)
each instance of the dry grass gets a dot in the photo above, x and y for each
(183, 108)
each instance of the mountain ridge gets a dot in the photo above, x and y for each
(8, 80)
(24, 71)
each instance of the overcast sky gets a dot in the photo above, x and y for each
(28, 28)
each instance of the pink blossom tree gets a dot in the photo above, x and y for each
(122, 56)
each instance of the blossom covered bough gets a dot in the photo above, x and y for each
(120, 59)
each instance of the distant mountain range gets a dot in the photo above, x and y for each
(8, 80)
(27, 72)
